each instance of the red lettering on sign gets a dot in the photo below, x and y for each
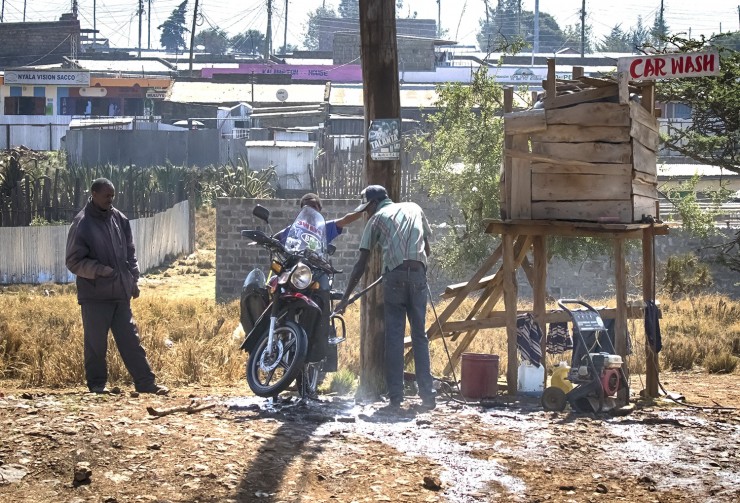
(677, 65)
(659, 67)
(633, 68)
(690, 65)
(708, 62)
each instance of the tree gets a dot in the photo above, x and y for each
(617, 41)
(349, 9)
(287, 49)
(659, 31)
(505, 26)
(713, 136)
(174, 28)
(573, 38)
(250, 42)
(639, 34)
(215, 40)
(465, 151)
(311, 37)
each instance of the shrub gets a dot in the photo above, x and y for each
(685, 275)
(679, 354)
(720, 363)
(343, 382)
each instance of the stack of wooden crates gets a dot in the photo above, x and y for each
(588, 155)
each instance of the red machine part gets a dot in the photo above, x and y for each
(610, 381)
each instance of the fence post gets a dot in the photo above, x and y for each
(7, 136)
(51, 138)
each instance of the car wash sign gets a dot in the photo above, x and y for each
(670, 66)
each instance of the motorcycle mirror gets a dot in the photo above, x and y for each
(261, 212)
(331, 249)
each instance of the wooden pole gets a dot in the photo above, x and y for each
(620, 280)
(192, 43)
(648, 294)
(382, 101)
(510, 305)
(539, 291)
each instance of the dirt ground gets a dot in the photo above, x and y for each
(73, 446)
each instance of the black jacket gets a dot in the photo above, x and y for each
(98, 239)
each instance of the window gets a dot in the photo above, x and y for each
(25, 105)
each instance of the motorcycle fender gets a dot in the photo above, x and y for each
(289, 302)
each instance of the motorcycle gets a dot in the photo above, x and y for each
(283, 314)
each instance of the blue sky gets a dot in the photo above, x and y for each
(117, 20)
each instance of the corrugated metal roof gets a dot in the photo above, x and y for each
(125, 66)
(281, 144)
(411, 96)
(224, 92)
(689, 170)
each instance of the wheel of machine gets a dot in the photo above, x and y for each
(553, 399)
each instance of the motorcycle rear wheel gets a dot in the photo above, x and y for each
(270, 373)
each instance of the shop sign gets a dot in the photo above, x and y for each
(93, 92)
(47, 77)
(670, 66)
(156, 95)
(385, 139)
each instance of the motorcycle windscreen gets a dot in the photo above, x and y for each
(308, 232)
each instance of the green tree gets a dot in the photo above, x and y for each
(311, 37)
(573, 38)
(215, 40)
(713, 135)
(174, 28)
(349, 9)
(465, 147)
(659, 31)
(250, 42)
(617, 41)
(287, 49)
(506, 26)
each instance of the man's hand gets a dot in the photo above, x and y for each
(107, 272)
(136, 292)
(339, 308)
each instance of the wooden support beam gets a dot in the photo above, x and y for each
(648, 98)
(582, 229)
(454, 290)
(510, 304)
(620, 281)
(539, 292)
(648, 294)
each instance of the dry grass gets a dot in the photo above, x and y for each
(192, 340)
(205, 228)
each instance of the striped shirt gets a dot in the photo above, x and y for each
(399, 229)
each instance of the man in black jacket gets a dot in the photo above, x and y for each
(100, 251)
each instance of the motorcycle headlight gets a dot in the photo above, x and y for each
(301, 276)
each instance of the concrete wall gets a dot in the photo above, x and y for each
(591, 279)
(37, 43)
(329, 26)
(413, 54)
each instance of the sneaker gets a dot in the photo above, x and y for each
(100, 390)
(155, 389)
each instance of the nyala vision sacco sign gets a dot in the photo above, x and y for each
(670, 66)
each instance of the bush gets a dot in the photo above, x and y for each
(685, 275)
(343, 382)
(720, 363)
(679, 355)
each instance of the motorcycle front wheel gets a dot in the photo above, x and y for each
(269, 373)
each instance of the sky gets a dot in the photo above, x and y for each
(117, 19)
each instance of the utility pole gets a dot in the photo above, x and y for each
(583, 28)
(141, 13)
(285, 32)
(268, 37)
(536, 44)
(149, 26)
(24, 10)
(192, 38)
(73, 38)
(439, 18)
(381, 95)
(2, 13)
(95, 19)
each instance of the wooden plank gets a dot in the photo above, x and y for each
(648, 295)
(643, 206)
(521, 180)
(462, 294)
(620, 211)
(580, 134)
(620, 282)
(647, 99)
(562, 187)
(594, 152)
(482, 281)
(638, 113)
(550, 82)
(649, 190)
(644, 159)
(505, 207)
(498, 319)
(510, 305)
(590, 114)
(590, 169)
(640, 177)
(648, 137)
(508, 99)
(551, 226)
(508, 152)
(596, 82)
(527, 121)
(577, 72)
(623, 88)
(581, 97)
(539, 292)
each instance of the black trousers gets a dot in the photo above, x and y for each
(97, 319)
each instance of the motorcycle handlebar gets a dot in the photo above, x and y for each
(273, 244)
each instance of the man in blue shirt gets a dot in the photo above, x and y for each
(333, 227)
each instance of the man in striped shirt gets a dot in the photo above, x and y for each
(402, 232)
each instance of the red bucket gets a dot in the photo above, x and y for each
(479, 375)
